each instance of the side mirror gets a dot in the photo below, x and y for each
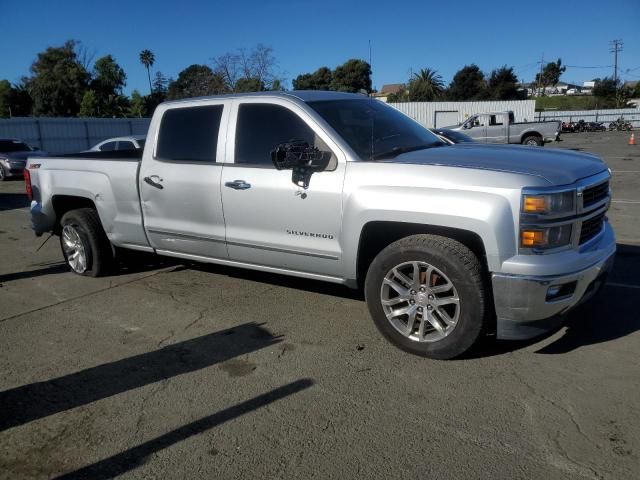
(35, 149)
(302, 159)
(467, 126)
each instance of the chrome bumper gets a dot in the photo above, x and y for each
(524, 307)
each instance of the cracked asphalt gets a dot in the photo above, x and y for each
(168, 370)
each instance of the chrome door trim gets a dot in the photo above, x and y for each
(246, 245)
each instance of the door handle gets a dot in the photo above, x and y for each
(238, 185)
(154, 181)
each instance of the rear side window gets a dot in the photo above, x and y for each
(125, 145)
(189, 134)
(262, 126)
(108, 147)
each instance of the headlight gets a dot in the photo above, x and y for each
(550, 204)
(545, 238)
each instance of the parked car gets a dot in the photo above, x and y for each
(13, 157)
(451, 136)
(119, 143)
(448, 241)
(501, 127)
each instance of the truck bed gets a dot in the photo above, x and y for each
(107, 179)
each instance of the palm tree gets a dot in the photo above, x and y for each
(147, 59)
(425, 86)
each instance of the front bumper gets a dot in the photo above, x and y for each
(525, 307)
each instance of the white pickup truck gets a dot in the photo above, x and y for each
(449, 242)
(501, 127)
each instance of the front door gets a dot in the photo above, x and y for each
(270, 221)
(477, 128)
(179, 181)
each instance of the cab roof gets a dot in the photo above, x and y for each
(302, 95)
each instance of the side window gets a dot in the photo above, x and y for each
(262, 126)
(108, 147)
(189, 134)
(125, 145)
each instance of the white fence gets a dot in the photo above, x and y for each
(68, 135)
(442, 114)
(630, 114)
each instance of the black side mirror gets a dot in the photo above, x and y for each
(35, 149)
(303, 159)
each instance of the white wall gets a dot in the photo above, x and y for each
(425, 112)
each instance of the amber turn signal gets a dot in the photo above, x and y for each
(532, 238)
(535, 204)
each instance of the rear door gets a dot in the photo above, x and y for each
(497, 128)
(270, 221)
(180, 180)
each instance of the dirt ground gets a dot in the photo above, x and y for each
(195, 371)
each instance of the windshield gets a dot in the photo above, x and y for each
(7, 146)
(374, 130)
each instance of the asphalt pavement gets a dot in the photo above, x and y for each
(168, 370)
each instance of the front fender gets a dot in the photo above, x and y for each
(489, 215)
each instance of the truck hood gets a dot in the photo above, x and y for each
(558, 167)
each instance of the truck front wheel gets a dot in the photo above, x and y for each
(426, 295)
(85, 246)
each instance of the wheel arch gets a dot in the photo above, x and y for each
(531, 133)
(376, 235)
(65, 203)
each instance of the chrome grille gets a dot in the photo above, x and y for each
(591, 228)
(595, 194)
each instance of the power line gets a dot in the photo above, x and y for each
(584, 66)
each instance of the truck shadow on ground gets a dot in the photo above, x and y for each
(286, 281)
(30, 402)
(132, 458)
(13, 201)
(141, 262)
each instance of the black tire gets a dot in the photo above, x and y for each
(533, 140)
(3, 174)
(98, 250)
(465, 272)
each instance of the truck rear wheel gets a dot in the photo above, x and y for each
(84, 244)
(533, 140)
(426, 296)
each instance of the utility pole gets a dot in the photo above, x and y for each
(540, 76)
(616, 47)
(370, 67)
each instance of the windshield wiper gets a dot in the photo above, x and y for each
(395, 151)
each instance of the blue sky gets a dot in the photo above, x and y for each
(306, 35)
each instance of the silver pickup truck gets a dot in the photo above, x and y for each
(501, 127)
(449, 242)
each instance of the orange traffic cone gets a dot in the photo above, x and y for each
(632, 139)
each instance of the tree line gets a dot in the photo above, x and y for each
(64, 81)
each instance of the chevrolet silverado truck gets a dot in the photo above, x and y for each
(501, 127)
(450, 243)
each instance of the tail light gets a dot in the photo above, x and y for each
(27, 184)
